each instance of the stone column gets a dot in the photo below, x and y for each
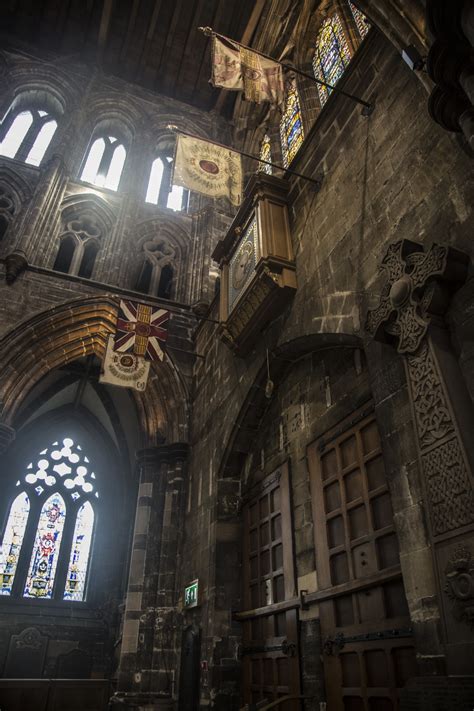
(147, 662)
(414, 300)
(449, 65)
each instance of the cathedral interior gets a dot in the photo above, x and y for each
(280, 513)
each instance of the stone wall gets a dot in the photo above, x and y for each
(391, 176)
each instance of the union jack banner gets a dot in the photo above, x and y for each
(140, 330)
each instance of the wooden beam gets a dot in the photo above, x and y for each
(246, 38)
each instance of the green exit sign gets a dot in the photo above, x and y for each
(191, 592)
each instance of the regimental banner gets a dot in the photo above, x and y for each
(141, 330)
(239, 69)
(124, 369)
(208, 168)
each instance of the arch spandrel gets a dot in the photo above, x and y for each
(74, 330)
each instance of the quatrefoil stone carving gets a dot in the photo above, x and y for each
(417, 286)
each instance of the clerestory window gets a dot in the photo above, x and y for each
(265, 154)
(47, 539)
(332, 53)
(104, 163)
(291, 126)
(159, 189)
(26, 135)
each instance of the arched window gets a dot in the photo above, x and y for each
(47, 540)
(291, 126)
(78, 247)
(104, 163)
(332, 55)
(158, 189)
(26, 135)
(265, 154)
(363, 25)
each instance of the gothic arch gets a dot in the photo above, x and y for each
(71, 331)
(255, 404)
(32, 78)
(90, 205)
(149, 235)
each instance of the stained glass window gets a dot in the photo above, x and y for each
(265, 154)
(81, 544)
(63, 482)
(44, 559)
(291, 127)
(363, 25)
(332, 55)
(12, 540)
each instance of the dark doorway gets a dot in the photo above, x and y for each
(190, 669)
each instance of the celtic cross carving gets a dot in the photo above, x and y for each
(412, 291)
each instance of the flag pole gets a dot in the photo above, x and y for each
(247, 155)
(366, 111)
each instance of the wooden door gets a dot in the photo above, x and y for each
(368, 652)
(270, 654)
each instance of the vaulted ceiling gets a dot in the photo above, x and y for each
(153, 43)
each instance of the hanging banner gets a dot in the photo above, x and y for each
(141, 330)
(124, 369)
(239, 69)
(207, 168)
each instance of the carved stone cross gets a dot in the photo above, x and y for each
(413, 291)
(414, 299)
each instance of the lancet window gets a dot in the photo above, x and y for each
(25, 135)
(291, 126)
(265, 154)
(159, 189)
(46, 545)
(104, 163)
(332, 55)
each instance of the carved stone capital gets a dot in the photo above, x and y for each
(417, 286)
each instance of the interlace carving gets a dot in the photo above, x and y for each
(449, 489)
(459, 585)
(402, 312)
(429, 401)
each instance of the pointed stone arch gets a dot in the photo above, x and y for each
(150, 235)
(76, 329)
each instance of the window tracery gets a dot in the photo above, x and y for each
(27, 134)
(78, 248)
(265, 154)
(291, 126)
(7, 211)
(104, 162)
(56, 503)
(158, 269)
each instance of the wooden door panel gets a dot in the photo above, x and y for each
(270, 663)
(368, 648)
